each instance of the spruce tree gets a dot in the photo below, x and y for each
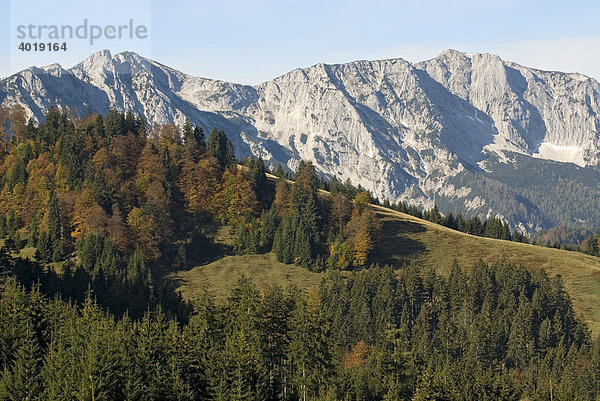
(44, 249)
(54, 218)
(137, 272)
(199, 138)
(188, 132)
(221, 147)
(22, 381)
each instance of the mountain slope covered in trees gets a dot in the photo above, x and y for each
(460, 129)
(98, 213)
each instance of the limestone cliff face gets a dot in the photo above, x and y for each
(534, 111)
(401, 130)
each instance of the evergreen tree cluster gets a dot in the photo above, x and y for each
(577, 239)
(109, 191)
(493, 227)
(498, 332)
(297, 238)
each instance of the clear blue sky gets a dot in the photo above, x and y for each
(256, 40)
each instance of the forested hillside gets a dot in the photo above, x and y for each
(499, 332)
(96, 214)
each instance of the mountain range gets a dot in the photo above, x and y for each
(470, 132)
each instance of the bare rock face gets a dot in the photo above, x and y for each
(550, 115)
(401, 130)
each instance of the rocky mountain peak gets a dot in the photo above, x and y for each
(404, 131)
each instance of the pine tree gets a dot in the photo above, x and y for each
(506, 232)
(54, 218)
(435, 215)
(303, 248)
(279, 172)
(275, 313)
(170, 172)
(199, 138)
(31, 130)
(137, 272)
(221, 147)
(57, 250)
(244, 360)
(520, 341)
(268, 228)
(131, 124)
(114, 123)
(284, 240)
(308, 351)
(188, 132)
(44, 249)
(247, 238)
(229, 153)
(70, 156)
(22, 381)
(261, 184)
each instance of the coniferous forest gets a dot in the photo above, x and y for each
(96, 212)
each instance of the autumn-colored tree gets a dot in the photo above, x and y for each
(341, 255)
(236, 197)
(362, 230)
(199, 183)
(149, 167)
(103, 159)
(361, 201)
(362, 246)
(88, 217)
(124, 153)
(153, 224)
(40, 174)
(282, 197)
(358, 355)
(15, 170)
(166, 134)
(118, 232)
(18, 123)
(146, 232)
(591, 245)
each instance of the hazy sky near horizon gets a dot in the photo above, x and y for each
(256, 40)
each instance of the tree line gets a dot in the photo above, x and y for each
(497, 332)
(107, 206)
(560, 237)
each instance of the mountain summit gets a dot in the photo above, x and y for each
(444, 130)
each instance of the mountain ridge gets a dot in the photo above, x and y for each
(405, 131)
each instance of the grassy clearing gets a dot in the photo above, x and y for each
(220, 276)
(406, 238)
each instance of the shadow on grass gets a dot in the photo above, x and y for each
(394, 247)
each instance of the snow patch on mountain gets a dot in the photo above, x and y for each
(561, 153)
